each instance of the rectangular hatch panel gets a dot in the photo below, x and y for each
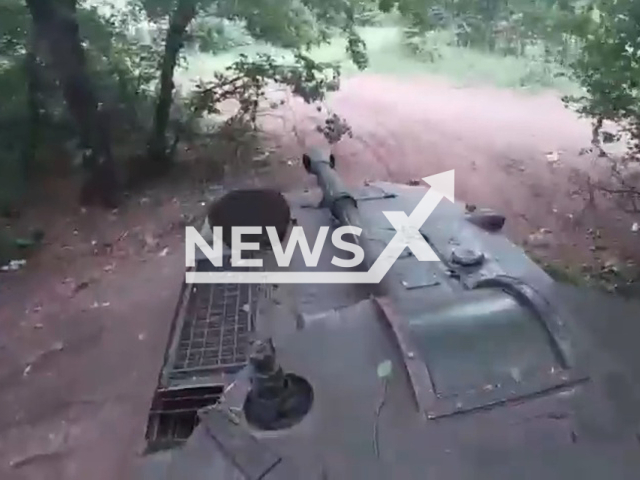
(213, 332)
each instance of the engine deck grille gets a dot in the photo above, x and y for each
(216, 328)
(210, 340)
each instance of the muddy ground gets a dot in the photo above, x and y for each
(83, 327)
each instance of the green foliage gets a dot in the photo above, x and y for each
(507, 26)
(248, 79)
(609, 65)
(123, 66)
(357, 49)
(34, 124)
(157, 9)
(13, 123)
(14, 28)
(285, 23)
(14, 32)
(291, 24)
(301, 24)
(214, 35)
(608, 69)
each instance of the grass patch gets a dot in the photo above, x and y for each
(625, 282)
(559, 271)
(389, 56)
(564, 273)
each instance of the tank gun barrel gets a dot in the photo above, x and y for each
(336, 197)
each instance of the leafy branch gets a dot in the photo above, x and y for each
(247, 81)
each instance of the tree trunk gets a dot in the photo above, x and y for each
(181, 17)
(57, 31)
(34, 120)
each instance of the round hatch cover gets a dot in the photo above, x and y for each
(466, 257)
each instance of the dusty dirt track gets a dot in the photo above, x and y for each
(84, 326)
(517, 153)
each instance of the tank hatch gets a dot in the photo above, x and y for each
(481, 341)
(498, 342)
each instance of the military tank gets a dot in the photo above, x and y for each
(475, 366)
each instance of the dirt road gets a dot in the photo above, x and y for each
(84, 326)
(515, 152)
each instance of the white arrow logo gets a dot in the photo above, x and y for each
(407, 236)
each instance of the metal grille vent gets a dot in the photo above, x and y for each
(210, 341)
(216, 328)
(174, 415)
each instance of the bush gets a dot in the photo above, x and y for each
(608, 68)
(609, 65)
(214, 35)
